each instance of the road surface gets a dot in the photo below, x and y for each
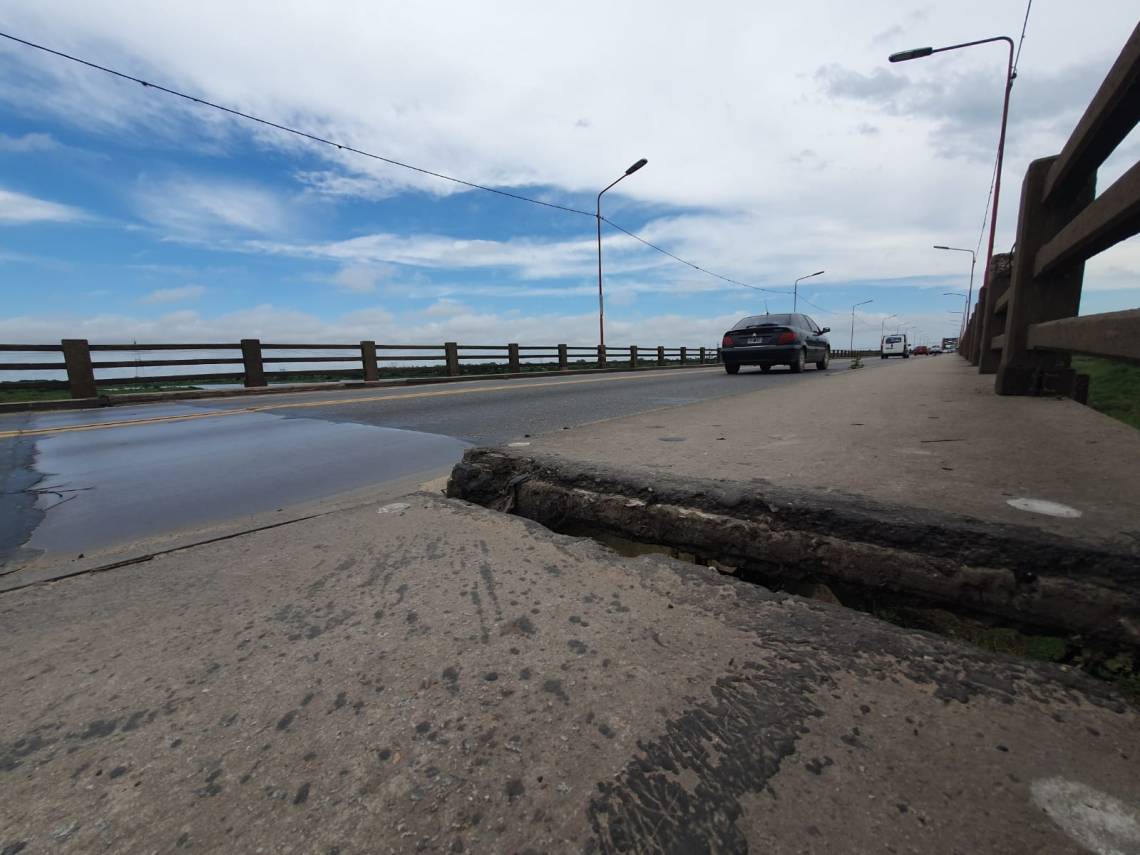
(75, 482)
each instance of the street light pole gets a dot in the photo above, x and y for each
(916, 53)
(970, 294)
(851, 347)
(883, 327)
(598, 216)
(796, 285)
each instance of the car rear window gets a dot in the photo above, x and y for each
(757, 320)
(894, 339)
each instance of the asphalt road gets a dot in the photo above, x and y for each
(83, 480)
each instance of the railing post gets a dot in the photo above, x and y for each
(702, 356)
(660, 356)
(997, 283)
(601, 356)
(633, 356)
(563, 359)
(451, 352)
(513, 364)
(684, 354)
(368, 358)
(80, 374)
(1033, 300)
(976, 340)
(252, 365)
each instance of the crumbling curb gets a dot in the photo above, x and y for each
(1003, 570)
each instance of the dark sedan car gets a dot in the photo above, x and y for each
(766, 340)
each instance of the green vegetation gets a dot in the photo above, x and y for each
(8, 394)
(1114, 387)
(1115, 665)
(1121, 668)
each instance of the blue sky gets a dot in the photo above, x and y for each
(126, 214)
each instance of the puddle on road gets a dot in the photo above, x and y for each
(116, 486)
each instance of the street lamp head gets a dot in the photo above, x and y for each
(817, 273)
(913, 53)
(636, 166)
(936, 246)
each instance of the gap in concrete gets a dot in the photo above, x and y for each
(1115, 664)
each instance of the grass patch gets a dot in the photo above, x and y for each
(1114, 387)
(17, 395)
(11, 396)
(1120, 667)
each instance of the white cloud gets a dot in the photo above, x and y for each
(273, 323)
(18, 209)
(360, 278)
(27, 143)
(196, 209)
(723, 105)
(445, 307)
(174, 295)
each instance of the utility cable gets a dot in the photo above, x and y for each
(289, 130)
(814, 306)
(689, 263)
(372, 155)
(993, 178)
(1024, 25)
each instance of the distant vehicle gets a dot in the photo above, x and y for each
(935, 350)
(949, 345)
(894, 345)
(921, 350)
(766, 340)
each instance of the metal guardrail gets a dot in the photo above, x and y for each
(1025, 324)
(80, 360)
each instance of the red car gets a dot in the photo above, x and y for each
(921, 350)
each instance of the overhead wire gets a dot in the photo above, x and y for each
(993, 177)
(363, 153)
(814, 306)
(689, 263)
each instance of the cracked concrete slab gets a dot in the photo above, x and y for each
(445, 678)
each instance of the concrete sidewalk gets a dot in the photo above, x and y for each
(918, 479)
(433, 676)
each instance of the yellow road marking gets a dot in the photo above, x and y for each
(333, 402)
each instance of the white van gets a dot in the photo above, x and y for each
(894, 345)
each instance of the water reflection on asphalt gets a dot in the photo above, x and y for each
(115, 486)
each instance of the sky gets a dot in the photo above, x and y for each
(779, 141)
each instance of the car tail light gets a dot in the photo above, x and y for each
(786, 337)
(726, 341)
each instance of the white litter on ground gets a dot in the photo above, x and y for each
(1041, 506)
(394, 508)
(1095, 820)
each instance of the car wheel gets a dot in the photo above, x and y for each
(882, 356)
(764, 369)
(731, 369)
(906, 356)
(826, 361)
(798, 365)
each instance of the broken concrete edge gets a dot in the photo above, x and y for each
(196, 394)
(868, 638)
(958, 670)
(1017, 574)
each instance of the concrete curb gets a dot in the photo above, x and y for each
(1015, 573)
